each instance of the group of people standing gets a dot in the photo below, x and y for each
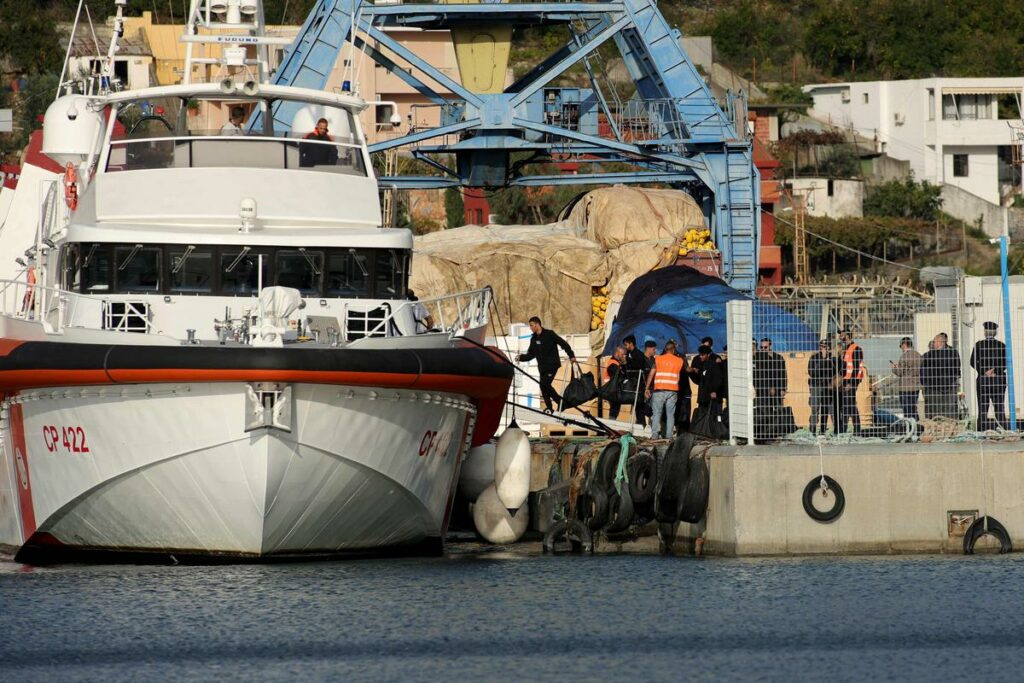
(663, 383)
(936, 374)
(833, 380)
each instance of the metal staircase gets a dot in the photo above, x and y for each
(672, 130)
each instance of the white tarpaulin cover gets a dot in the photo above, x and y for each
(612, 236)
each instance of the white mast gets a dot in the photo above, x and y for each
(244, 25)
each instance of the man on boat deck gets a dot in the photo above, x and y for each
(234, 124)
(544, 347)
(424, 321)
(319, 154)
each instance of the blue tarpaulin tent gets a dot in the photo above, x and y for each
(682, 304)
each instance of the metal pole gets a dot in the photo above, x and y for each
(1011, 396)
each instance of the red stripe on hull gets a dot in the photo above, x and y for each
(22, 480)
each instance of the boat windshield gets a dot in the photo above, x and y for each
(173, 134)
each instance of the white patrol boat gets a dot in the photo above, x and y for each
(210, 352)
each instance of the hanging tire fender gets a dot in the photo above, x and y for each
(592, 507)
(832, 488)
(672, 476)
(693, 501)
(573, 537)
(643, 478)
(987, 526)
(621, 511)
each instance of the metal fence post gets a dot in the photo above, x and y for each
(740, 332)
(1008, 327)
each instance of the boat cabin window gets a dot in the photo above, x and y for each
(96, 275)
(153, 135)
(389, 273)
(137, 269)
(300, 269)
(348, 274)
(70, 267)
(344, 273)
(191, 269)
(240, 270)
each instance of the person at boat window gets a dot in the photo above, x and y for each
(318, 154)
(424, 321)
(544, 346)
(234, 124)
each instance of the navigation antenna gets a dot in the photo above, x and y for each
(231, 35)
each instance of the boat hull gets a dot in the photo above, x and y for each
(178, 468)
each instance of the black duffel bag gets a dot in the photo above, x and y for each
(621, 389)
(707, 422)
(580, 388)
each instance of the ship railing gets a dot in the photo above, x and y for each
(453, 314)
(54, 308)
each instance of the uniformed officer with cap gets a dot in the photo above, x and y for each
(989, 360)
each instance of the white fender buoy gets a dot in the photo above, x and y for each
(477, 471)
(512, 468)
(493, 520)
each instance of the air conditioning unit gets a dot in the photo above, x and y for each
(899, 118)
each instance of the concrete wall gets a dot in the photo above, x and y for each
(898, 497)
(969, 207)
(882, 169)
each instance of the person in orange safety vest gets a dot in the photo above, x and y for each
(853, 373)
(663, 388)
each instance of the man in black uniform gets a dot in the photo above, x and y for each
(989, 360)
(544, 347)
(940, 379)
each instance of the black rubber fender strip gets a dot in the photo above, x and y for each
(106, 365)
(981, 527)
(834, 489)
(573, 536)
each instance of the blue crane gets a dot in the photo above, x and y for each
(672, 130)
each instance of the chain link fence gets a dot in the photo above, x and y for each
(899, 368)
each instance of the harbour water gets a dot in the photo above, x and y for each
(507, 617)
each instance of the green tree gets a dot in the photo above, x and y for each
(29, 40)
(906, 199)
(510, 206)
(454, 210)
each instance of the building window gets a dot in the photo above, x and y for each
(931, 104)
(966, 107)
(866, 98)
(383, 114)
(831, 188)
(959, 165)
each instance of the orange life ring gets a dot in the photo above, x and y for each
(71, 186)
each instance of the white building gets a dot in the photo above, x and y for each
(952, 130)
(831, 198)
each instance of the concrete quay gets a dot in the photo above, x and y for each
(900, 498)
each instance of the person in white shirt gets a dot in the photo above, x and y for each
(424, 321)
(234, 124)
